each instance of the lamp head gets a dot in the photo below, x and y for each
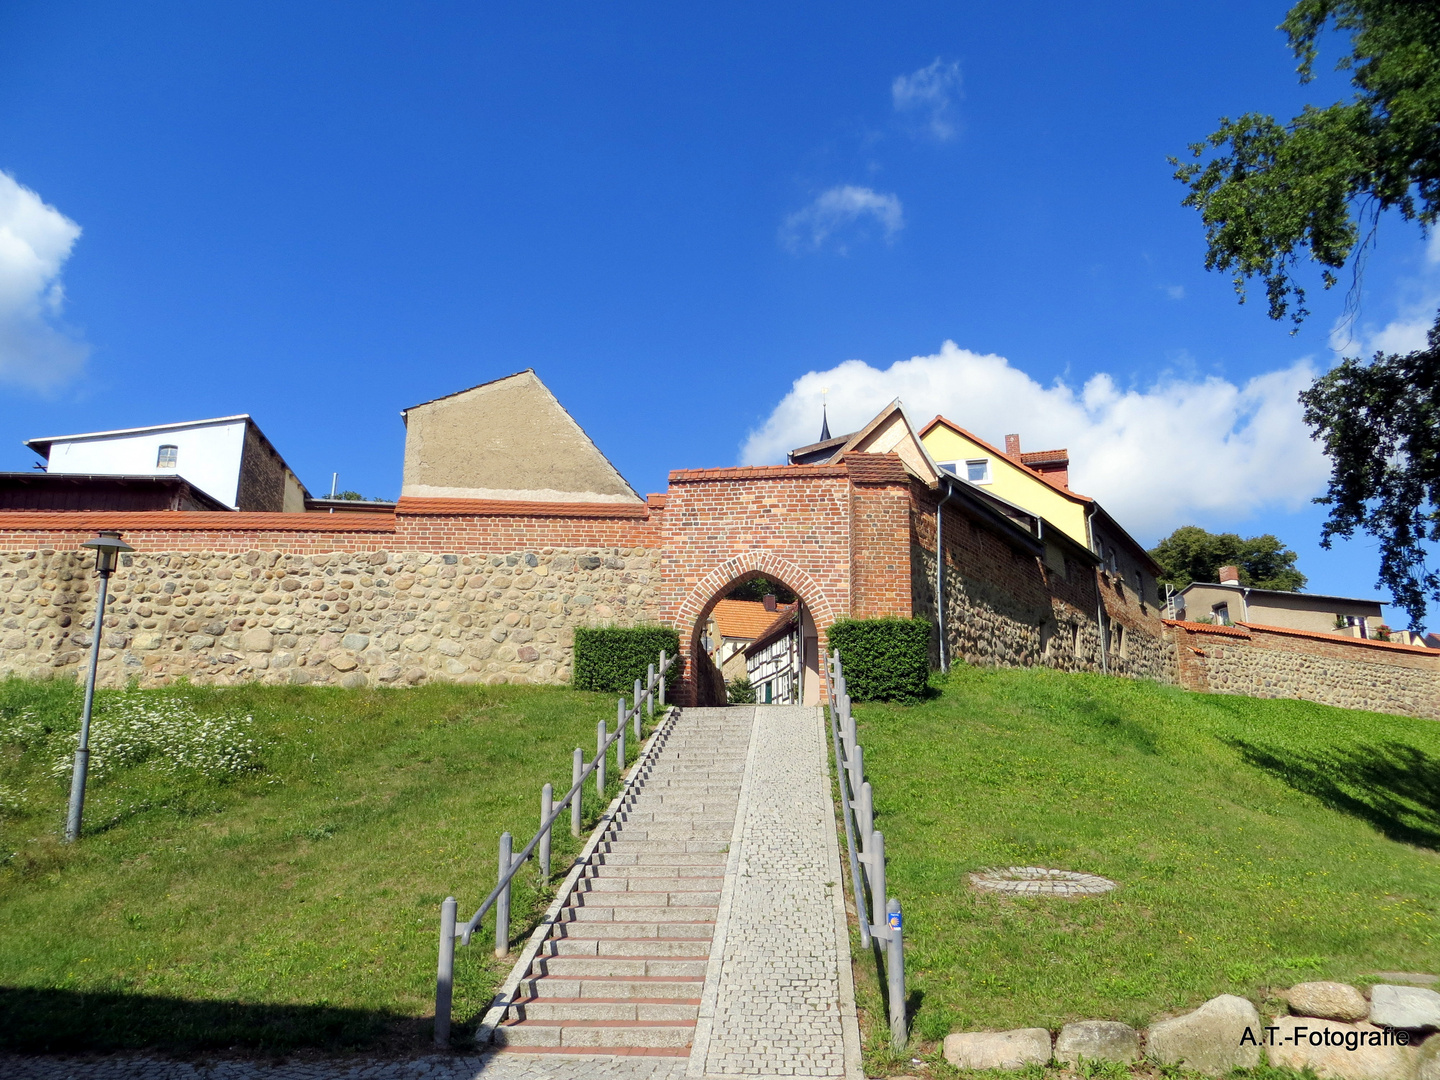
(106, 546)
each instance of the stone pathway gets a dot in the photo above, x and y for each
(712, 912)
(778, 993)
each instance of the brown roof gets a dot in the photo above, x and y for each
(876, 468)
(1243, 630)
(745, 619)
(1043, 457)
(784, 620)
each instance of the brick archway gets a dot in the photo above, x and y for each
(709, 590)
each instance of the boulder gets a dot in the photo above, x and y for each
(1341, 1051)
(1411, 1007)
(1328, 1001)
(257, 640)
(1097, 1040)
(1212, 1039)
(998, 1049)
(342, 661)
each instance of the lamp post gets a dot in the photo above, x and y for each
(106, 546)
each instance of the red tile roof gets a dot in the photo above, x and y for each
(745, 619)
(195, 520)
(1001, 453)
(876, 468)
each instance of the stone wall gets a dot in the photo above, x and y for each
(1275, 662)
(347, 617)
(1011, 607)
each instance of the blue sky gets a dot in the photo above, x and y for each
(686, 220)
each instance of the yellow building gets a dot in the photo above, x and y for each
(1037, 482)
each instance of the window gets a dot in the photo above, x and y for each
(1221, 613)
(978, 471)
(166, 458)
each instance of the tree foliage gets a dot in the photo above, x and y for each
(1192, 554)
(1270, 193)
(757, 588)
(1380, 424)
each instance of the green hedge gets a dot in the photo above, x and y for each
(611, 658)
(884, 659)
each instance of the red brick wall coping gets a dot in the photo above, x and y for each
(756, 472)
(192, 521)
(410, 506)
(1289, 631)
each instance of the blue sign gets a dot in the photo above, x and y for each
(895, 919)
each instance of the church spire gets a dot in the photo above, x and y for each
(824, 417)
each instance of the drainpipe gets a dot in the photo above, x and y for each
(1099, 599)
(940, 570)
(1245, 603)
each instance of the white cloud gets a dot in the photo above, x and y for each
(35, 240)
(839, 212)
(1409, 330)
(1205, 451)
(1175, 292)
(928, 95)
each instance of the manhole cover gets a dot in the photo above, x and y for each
(1038, 881)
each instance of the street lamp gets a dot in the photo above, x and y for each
(106, 546)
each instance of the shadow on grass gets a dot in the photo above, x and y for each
(46, 1020)
(1393, 787)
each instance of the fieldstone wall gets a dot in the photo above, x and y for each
(349, 618)
(1251, 661)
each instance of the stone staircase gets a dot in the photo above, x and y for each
(623, 967)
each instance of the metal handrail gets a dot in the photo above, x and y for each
(850, 769)
(449, 932)
(600, 756)
(846, 803)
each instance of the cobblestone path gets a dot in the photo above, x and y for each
(778, 993)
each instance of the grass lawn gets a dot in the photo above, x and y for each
(271, 880)
(1256, 843)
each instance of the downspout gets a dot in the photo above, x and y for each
(940, 569)
(1099, 599)
(1245, 602)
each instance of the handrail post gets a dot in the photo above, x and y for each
(866, 824)
(620, 719)
(895, 969)
(577, 767)
(664, 670)
(875, 863)
(445, 973)
(547, 807)
(857, 767)
(601, 752)
(650, 691)
(502, 902)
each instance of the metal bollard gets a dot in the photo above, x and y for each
(639, 720)
(650, 692)
(664, 670)
(547, 807)
(866, 824)
(502, 902)
(875, 871)
(600, 754)
(895, 969)
(577, 769)
(445, 973)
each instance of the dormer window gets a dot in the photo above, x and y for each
(166, 458)
(978, 471)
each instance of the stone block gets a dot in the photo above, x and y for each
(1097, 1040)
(1412, 1007)
(1209, 1040)
(355, 642)
(198, 642)
(998, 1049)
(1332, 1048)
(1328, 1001)
(343, 661)
(148, 641)
(353, 681)
(257, 640)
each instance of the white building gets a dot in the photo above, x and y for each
(228, 458)
(774, 662)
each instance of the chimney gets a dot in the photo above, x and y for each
(1012, 446)
(770, 601)
(1229, 575)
